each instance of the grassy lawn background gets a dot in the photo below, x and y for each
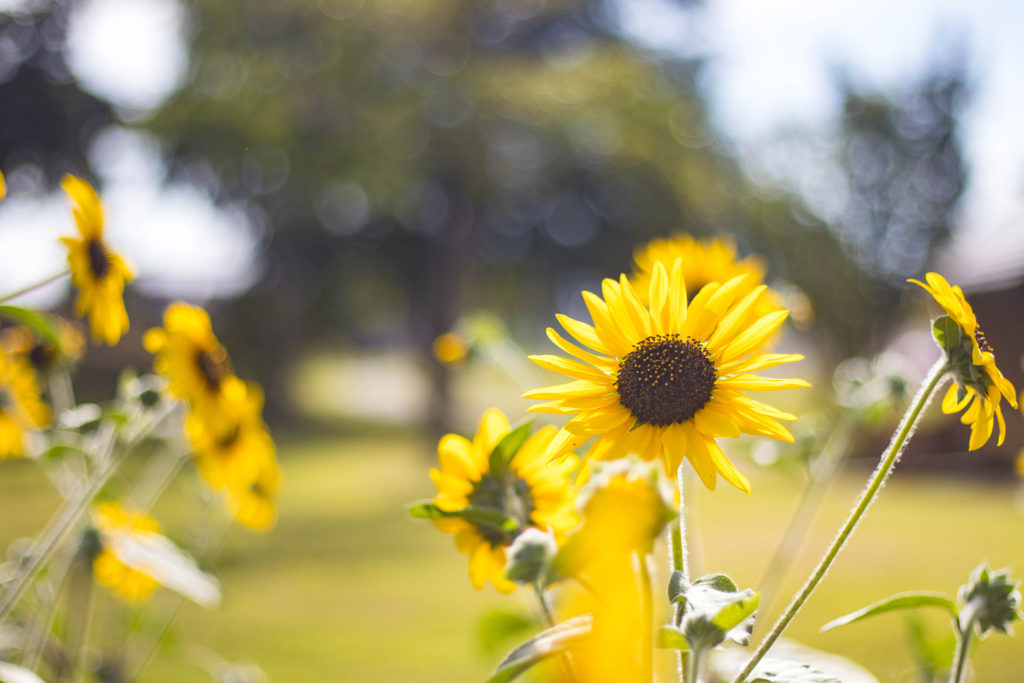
(346, 588)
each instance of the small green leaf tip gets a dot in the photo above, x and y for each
(991, 601)
(715, 610)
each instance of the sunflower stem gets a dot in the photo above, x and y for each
(881, 473)
(70, 513)
(564, 659)
(680, 563)
(31, 288)
(964, 633)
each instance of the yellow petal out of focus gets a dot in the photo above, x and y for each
(665, 379)
(982, 400)
(98, 273)
(704, 261)
(21, 408)
(623, 512)
(534, 493)
(126, 582)
(450, 348)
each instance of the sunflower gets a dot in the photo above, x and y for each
(231, 456)
(253, 500)
(43, 353)
(21, 408)
(196, 365)
(665, 379)
(97, 272)
(3, 186)
(980, 385)
(531, 492)
(704, 262)
(112, 519)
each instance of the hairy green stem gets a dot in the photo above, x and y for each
(964, 633)
(31, 288)
(881, 473)
(680, 563)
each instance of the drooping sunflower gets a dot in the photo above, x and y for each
(253, 500)
(97, 272)
(704, 261)
(530, 491)
(230, 454)
(196, 365)
(980, 386)
(21, 408)
(665, 379)
(111, 519)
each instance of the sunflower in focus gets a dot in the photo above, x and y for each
(98, 273)
(196, 365)
(530, 491)
(980, 386)
(112, 519)
(703, 262)
(21, 408)
(665, 380)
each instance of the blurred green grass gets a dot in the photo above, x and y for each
(346, 588)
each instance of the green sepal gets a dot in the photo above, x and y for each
(669, 637)
(506, 449)
(479, 516)
(949, 335)
(547, 643)
(893, 603)
(43, 324)
(785, 671)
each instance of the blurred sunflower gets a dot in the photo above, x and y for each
(112, 519)
(43, 353)
(665, 379)
(195, 364)
(980, 386)
(703, 262)
(21, 408)
(98, 273)
(252, 500)
(529, 491)
(3, 186)
(230, 456)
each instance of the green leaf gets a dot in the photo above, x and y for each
(509, 445)
(785, 671)
(732, 615)
(479, 516)
(498, 628)
(43, 324)
(425, 510)
(545, 644)
(669, 637)
(948, 334)
(896, 602)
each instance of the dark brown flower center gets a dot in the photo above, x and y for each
(979, 337)
(214, 366)
(99, 261)
(665, 380)
(510, 495)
